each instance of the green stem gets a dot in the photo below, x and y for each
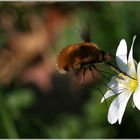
(7, 120)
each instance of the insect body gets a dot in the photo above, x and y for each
(75, 57)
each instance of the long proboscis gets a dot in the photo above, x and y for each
(117, 70)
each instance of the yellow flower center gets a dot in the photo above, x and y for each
(128, 82)
(133, 84)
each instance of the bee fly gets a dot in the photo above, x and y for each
(76, 57)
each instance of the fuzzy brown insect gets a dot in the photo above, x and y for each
(76, 57)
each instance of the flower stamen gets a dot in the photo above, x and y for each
(133, 84)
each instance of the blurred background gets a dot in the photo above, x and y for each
(38, 102)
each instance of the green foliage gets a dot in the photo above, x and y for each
(19, 115)
(18, 100)
(68, 128)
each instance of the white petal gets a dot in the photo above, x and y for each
(135, 63)
(113, 88)
(121, 56)
(117, 107)
(108, 94)
(131, 63)
(138, 72)
(116, 85)
(113, 82)
(136, 97)
(124, 97)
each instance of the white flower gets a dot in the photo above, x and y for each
(125, 84)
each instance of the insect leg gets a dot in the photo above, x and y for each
(101, 73)
(106, 72)
(83, 75)
(92, 72)
(97, 88)
(102, 95)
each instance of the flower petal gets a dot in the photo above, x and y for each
(113, 82)
(116, 85)
(131, 63)
(138, 73)
(113, 91)
(117, 107)
(125, 97)
(121, 56)
(136, 97)
(108, 94)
